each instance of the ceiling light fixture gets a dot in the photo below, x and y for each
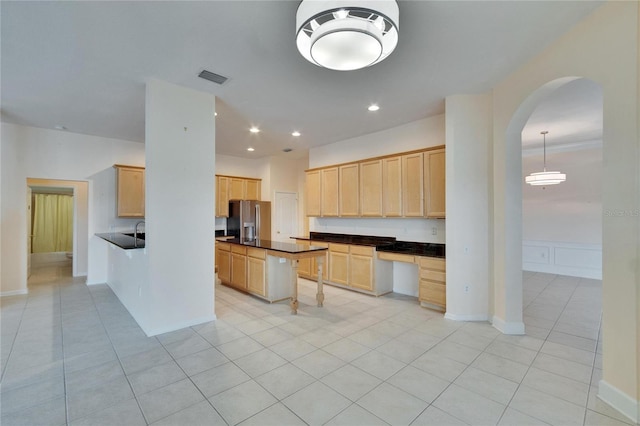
(250, 149)
(295, 133)
(544, 177)
(346, 35)
(254, 129)
(373, 107)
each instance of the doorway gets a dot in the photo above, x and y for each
(57, 241)
(286, 216)
(50, 235)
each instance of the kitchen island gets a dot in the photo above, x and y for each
(267, 269)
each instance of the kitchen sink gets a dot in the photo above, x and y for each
(140, 235)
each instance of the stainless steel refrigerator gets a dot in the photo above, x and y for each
(249, 220)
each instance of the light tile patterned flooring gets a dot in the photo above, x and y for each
(72, 354)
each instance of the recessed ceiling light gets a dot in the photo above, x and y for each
(60, 127)
(250, 149)
(373, 107)
(254, 129)
(295, 133)
(215, 114)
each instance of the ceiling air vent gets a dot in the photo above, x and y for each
(287, 150)
(211, 76)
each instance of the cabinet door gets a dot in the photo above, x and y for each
(361, 271)
(392, 186)
(339, 260)
(371, 188)
(252, 190)
(223, 261)
(329, 191)
(222, 196)
(312, 192)
(237, 189)
(433, 292)
(130, 182)
(256, 276)
(304, 267)
(413, 185)
(239, 270)
(434, 173)
(348, 195)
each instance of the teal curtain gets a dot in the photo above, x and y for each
(52, 223)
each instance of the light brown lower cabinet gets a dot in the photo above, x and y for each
(354, 267)
(256, 271)
(433, 289)
(223, 261)
(250, 269)
(238, 267)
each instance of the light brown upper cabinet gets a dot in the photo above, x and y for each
(412, 185)
(409, 184)
(222, 196)
(252, 190)
(130, 191)
(329, 191)
(237, 188)
(349, 183)
(371, 188)
(392, 187)
(434, 181)
(312, 190)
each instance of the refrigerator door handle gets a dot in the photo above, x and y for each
(257, 230)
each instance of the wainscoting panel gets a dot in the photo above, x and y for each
(573, 259)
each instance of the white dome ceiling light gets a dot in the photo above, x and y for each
(346, 35)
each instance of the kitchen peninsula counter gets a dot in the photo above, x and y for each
(265, 268)
(122, 240)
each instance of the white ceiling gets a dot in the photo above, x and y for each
(84, 65)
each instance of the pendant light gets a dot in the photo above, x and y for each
(346, 35)
(544, 177)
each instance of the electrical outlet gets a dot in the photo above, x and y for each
(466, 289)
(434, 231)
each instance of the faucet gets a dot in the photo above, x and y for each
(135, 233)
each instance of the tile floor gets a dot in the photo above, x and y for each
(72, 354)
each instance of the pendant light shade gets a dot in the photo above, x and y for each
(346, 35)
(544, 177)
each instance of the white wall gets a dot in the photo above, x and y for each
(41, 153)
(179, 204)
(469, 133)
(562, 224)
(258, 168)
(586, 51)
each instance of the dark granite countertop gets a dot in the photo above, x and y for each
(277, 245)
(360, 240)
(414, 248)
(122, 240)
(388, 244)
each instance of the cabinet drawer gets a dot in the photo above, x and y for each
(427, 274)
(238, 249)
(362, 250)
(223, 246)
(396, 257)
(432, 292)
(434, 263)
(339, 248)
(256, 252)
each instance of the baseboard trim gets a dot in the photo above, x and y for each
(619, 400)
(174, 327)
(456, 317)
(14, 292)
(516, 328)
